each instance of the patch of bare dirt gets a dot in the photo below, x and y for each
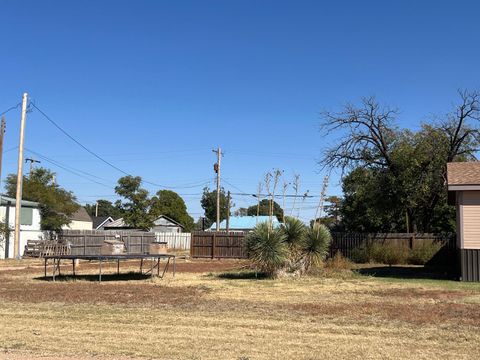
(418, 314)
(416, 293)
(100, 293)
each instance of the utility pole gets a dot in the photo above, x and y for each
(32, 161)
(96, 209)
(7, 209)
(228, 211)
(216, 168)
(2, 132)
(18, 198)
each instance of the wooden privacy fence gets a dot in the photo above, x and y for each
(346, 243)
(211, 244)
(89, 242)
(179, 241)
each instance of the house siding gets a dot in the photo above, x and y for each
(470, 214)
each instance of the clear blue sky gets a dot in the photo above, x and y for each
(153, 86)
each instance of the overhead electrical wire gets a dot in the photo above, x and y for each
(75, 172)
(11, 108)
(101, 158)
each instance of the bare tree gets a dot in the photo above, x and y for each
(463, 139)
(368, 135)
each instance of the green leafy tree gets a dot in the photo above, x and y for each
(264, 209)
(395, 178)
(332, 218)
(56, 203)
(136, 204)
(209, 205)
(170, 204)
(105, 208)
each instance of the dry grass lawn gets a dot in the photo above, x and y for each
(200, 315)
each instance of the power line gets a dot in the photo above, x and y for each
(67, 169)
(78, 142)
(99, 157)
(233, 186)
(11, 108)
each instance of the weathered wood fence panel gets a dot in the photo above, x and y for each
(180, 241)
(211, 244)
(89, 242)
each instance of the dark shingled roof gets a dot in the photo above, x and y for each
(98, 220)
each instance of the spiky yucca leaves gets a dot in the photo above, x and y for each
(295, 231)
(267, 249)
(316, 244)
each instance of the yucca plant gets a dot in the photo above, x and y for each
(316, 244)
(295, 231)
(267, 249)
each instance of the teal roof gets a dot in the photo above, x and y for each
(245, 222)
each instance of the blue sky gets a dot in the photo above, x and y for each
(153, 86)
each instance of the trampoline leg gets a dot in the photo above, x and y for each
(100, 271)
(118, 266)
(158, 267)
(73, 265)
(141, 266)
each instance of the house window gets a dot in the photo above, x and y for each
(26, 216)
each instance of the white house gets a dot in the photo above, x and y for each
(80, 220)
(29, 224)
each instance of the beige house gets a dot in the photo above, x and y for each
(80, 220)
(463, 179)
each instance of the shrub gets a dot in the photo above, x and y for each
(295, 231)
(423, 252)
(361, 255)
(338, 262)
(316, 244)
(267, 248)
(389, 253)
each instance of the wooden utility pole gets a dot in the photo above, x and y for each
(216, 167)
(2, 132)
(228, 211)
(18, 198)
(96, 209)
(7, 209)
(32, 161)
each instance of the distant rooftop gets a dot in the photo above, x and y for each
(245, 222)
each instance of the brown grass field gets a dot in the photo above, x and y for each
(210, 310)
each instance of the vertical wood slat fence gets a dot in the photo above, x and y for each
(211, 244)
(179, 241)
(89, 242)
